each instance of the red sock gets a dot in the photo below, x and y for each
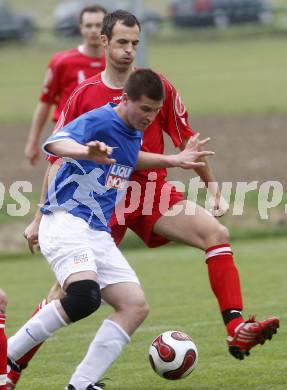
(3, 354)
(24, 360)
(224, 281)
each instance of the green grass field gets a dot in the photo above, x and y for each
(230, 77)
(177, 288)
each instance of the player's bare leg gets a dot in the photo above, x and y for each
(200, 229)
(16, 368)
(129, 303)
(131, 309)
(3, 340)
(204, 231)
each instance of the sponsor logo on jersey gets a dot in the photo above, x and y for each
(118, 176)
(117, 98)
(179, 106)
(81, 76)
(95, 64)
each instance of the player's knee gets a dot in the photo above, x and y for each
(138, 308)
(82, 299)
(3, 301)
(217, 234)
(223, 234)
(143, 310)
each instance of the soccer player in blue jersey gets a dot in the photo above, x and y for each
(100, 149)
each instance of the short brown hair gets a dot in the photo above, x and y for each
(125, 17)
(144, 82)
(92, 9)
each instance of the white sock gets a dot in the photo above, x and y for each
(41, 326)
(107, 345)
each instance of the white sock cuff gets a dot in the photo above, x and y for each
(217, 251)
(119, 328)
(54, 307)
(3, 380)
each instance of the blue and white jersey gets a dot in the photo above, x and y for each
(87, 189)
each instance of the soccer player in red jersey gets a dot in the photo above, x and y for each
(157, 196)
(65, 72)
(3, 341)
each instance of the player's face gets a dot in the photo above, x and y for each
(140, 114)
(91, 28)
(121, 49)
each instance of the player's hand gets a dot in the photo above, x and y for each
(32, 153)
(100, 152)
(189, 158)
(218, 206)
(31, 234)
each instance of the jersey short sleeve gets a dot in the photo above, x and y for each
(69, 114)
(174, 116)
(80, 130)
(51, 85)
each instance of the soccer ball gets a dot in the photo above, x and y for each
(173, 355)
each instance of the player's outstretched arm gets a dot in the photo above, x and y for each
(93, 151)
(189, 158)
(40, 117)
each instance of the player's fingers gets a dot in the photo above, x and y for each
(103, 147)
(218, 213)
(193, 140)
(33, 160)
(195, 137)
(34, 157)
(200, 164)
(111, 161)
(205, 153)
(109, 150)
(100, 147)
(94, 144)
(192, 165)
(31, 246)
(204, 141)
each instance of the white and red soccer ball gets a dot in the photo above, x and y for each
(173, 355)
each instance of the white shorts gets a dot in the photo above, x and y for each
(70, 246)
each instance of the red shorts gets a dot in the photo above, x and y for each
(141, 208)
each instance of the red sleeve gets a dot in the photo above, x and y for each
(174, 116)
(69, 113)
(51, 85)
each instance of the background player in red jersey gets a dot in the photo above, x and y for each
(201, 230)
(65, 72)
(3, 341)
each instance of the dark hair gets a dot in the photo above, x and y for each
(93, 9)
(144, 82)
(125, 17)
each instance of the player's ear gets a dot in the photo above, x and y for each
(125, 97)
(104, 40)
(81, 28)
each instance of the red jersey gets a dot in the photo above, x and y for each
(172, 118)
(65, 72)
